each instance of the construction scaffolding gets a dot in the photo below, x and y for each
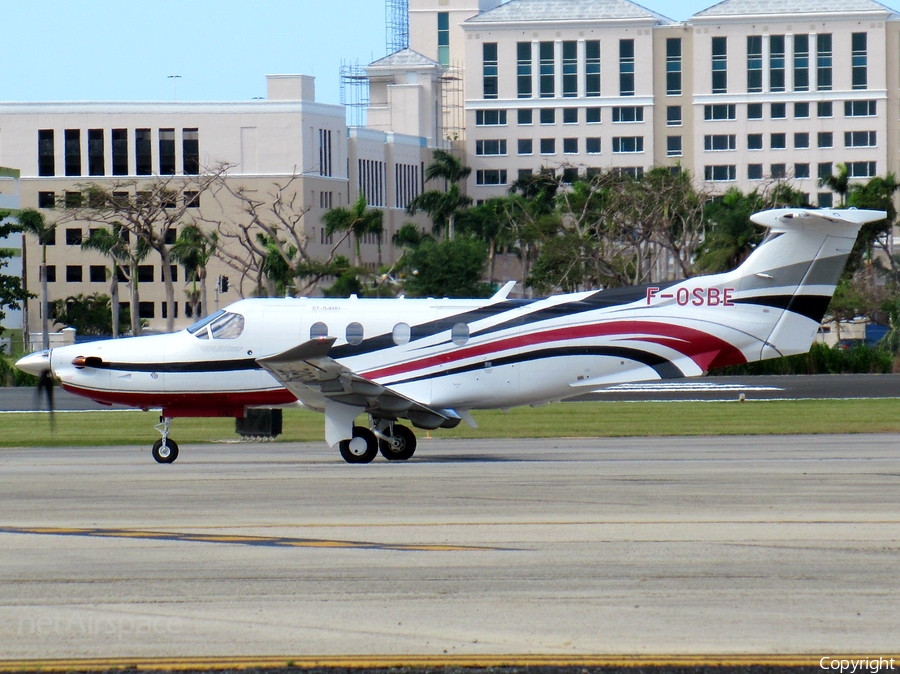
(354, 92)
(453, 120)
(396, 25)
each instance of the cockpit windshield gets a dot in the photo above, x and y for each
(220, 325)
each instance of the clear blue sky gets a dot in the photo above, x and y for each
(124, 50)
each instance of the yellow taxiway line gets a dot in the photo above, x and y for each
(385, 661)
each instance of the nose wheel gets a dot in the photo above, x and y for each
(165, 450)
(361, 448)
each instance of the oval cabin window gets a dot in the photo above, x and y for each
(401, 334)
(459, 335)
(354, 333)
(318, 330)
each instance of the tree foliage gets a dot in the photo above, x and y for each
(12, 293)
(89, 315)
(451, 268)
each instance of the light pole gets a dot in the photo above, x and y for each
(175, 79)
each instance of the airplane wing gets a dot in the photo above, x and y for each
(313, 376)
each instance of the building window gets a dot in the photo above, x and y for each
(372, 181)
(51, 273)
(801, 140)
(525, 173)
(406, 179)
(46, 153)
(719, 111)
(801, 110)
(859, 139)
(523, 69)
(443, 38)
(778, 141)
(824, 169)
(569, 175)
(627, 144)
(526, 146)
(755, 141)
(120, 152)
(754, 111)
(631, 171)
(167, 152)
(778, 171)
(570, 146)
(95, 153)
(325, 157)
(720, 173)
(826, 199)
(73, 152)
(97, 273)
(860, 78)
(778, 111)
(145, 273)
(592, 115)
(801, 170)
(673, 66)
(548, 115)
(801, 63)
(489, 118)
(570, 115)
(626, 67)
(673, 146)
(190, 147)
(547, 70)
(46, 199)
(146, 310)
(824, 60)
(825, 139)
(592, 68)
(192, 200)
(673, 115)
(754, 64)
(754, 172)
(548, 146)
(489, 69)
(74, 273)
(525, 116)
(570, 69)
(719, 65)
(860, 108)
(719, 142)
(73, 199)
(592, 145)
(629, 113)
(491, 177)
(776, 63)
(74, 236)
(142, 152)
(490, 147)
(861, 169)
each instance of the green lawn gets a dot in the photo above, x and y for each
(595, 419)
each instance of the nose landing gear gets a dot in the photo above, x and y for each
(165, 450)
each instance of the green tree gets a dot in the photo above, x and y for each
(193, 249)
(451, 268)
(12, 293)
(89, 315)
(358, 220)
(126, 253)
(494, 223)
(443, 207)
(33, 222)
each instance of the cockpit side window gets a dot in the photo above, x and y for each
(199, 326)
(228, 326)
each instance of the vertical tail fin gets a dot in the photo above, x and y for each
(795, 270)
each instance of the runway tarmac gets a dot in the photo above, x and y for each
(675, 545)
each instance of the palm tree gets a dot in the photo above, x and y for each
(839, 184)
(357, 220)
(114, 243)
(443, 206)
(193, 250)
(34, 223)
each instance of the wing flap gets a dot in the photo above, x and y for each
(313, 376)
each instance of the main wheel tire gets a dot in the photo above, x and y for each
(167, 453)
(354, 451)
(402, 445)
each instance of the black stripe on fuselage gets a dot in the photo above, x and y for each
(663, 367)
(197, 367)
(810, 306)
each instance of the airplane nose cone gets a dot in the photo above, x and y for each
(35, 363)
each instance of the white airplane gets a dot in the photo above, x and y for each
(432, 361)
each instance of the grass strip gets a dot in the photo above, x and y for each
(588, 419)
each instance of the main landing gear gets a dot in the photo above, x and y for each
(165, 450)
(396, 443)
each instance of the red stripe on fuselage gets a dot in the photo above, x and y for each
(704, 349)
(215, 403)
